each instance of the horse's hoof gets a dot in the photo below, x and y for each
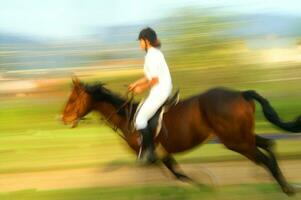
(183, 178)
(289, 190)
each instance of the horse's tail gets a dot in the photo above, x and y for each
(271, 115)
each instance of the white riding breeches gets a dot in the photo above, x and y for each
(150, 106)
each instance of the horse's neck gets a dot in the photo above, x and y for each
(110, 113)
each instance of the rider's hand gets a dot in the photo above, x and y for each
(137, 90)
(131, 87)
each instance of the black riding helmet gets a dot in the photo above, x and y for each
(150, 35)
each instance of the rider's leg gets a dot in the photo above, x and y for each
(147, 154)
(147, 110)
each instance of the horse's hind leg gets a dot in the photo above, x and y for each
(268, 161)
(173, 166)
(264, 143)
(267, 145)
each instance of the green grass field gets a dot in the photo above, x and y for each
(247, 192)
(93, 146)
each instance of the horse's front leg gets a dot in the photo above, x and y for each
(173, 166)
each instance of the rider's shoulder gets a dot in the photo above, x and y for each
(154, 52)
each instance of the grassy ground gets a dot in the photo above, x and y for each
(92, 145)
(247, 192)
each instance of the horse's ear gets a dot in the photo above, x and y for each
(75, 81)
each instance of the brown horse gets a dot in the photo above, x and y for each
(226, 114)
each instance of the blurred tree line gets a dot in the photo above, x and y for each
(198, 38)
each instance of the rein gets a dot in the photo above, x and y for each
(129, 100)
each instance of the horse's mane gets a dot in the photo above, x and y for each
(101, 93)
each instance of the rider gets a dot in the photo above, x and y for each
(157, 77)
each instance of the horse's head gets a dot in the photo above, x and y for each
(85, 97)
(78, 104)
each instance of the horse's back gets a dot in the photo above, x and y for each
(219, 94)
(228, 114)
(221, 101)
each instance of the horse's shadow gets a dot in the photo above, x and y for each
(112, 166)
(209, 181)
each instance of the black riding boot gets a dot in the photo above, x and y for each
(147, 154)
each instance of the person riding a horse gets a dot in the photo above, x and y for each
(157, 78)
(226, 114)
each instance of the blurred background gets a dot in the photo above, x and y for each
(250, 44)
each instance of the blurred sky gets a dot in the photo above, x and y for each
(75, 18)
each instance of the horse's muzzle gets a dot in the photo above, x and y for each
(72, 123)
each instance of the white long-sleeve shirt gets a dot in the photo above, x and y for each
(155, 66)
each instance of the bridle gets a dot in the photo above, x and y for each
(129, 96)
(75, 122)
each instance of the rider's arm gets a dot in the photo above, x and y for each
(142, 84)
(149, 83)
(138, 82)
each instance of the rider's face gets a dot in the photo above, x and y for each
(144, 44)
